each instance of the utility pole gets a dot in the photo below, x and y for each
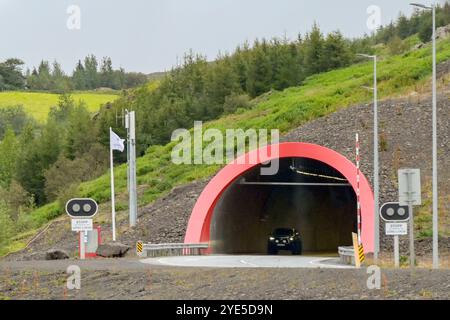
(435, 155)
(130, 124)
(376, 157)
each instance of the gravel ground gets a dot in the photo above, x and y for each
(128, 279)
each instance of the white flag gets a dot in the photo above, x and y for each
(116, 142)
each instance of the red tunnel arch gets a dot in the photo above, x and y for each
(198, 229)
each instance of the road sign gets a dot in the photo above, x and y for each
(410, 194)
(82, 225)
(393, 211)
(139, 248)
(396, 229)
(409, 187)
(81, 208)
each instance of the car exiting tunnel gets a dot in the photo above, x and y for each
(313, 191)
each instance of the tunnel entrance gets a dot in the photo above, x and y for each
(306, 194)
(238, 201)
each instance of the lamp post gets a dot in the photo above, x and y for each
(435, 163)
(376, 167)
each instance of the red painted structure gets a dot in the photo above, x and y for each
(198, 229)
(99, 242)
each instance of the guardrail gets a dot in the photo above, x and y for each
(173, 249)
(347, 255)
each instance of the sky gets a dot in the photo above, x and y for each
(151, 35)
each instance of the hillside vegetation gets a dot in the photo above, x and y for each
(38, 104)
(318, 96)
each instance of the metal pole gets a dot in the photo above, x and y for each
(127, 126)
(82, 245)
(113, 206)
(412, 253)
(376, 165)
(396, 252)
(435, 164)
(132, 169)
(358, 191)
(411, 237)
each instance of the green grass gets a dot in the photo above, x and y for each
(38, 104)
(318, 96)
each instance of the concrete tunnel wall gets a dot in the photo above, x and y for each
(245, 215)
(200, 227)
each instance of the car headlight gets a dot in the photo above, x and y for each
(271, 238)
(292, 239)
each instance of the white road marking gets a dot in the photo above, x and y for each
(334, 266)
(250, 264)
(224, 261)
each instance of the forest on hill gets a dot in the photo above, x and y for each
(89, 74)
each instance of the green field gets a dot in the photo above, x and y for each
(38, 104)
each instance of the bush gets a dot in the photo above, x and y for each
(6, 224)
(397, 46)
(234, 102)
(425, 31)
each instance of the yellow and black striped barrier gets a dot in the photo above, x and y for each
(359, 251)
(139, 248)
(362, 257)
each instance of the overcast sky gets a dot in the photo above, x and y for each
(149, 35)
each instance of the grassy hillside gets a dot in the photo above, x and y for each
(318, 96)
(38, 104)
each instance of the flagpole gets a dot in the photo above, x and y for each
(113, 205)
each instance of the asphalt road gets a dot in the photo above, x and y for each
(230, 261)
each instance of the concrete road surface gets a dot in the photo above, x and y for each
(229, 261)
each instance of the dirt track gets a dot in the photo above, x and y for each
(128, 279)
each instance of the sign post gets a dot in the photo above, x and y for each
(82, 211)
(410, 194)
(397, 252)
(396, 217)
(115, 143)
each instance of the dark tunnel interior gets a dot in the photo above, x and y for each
(323, 211)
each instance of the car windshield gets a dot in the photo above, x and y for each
(283, 232)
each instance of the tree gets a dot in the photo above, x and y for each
(66, 173)
(15, 118)
(107, 74)
(6, 224)
(403, 27)
(17, 200)
(37, 155)
(314, 43)
(44, 77)
(11, 77)
(60, 82)
(336, 52)
(426, 30)
(8, 157)
(91, 73)
(81, 132)
(79, 77)
(259, 71)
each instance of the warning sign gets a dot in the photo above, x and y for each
(139, 248)
(396, 229)
(82, 225)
